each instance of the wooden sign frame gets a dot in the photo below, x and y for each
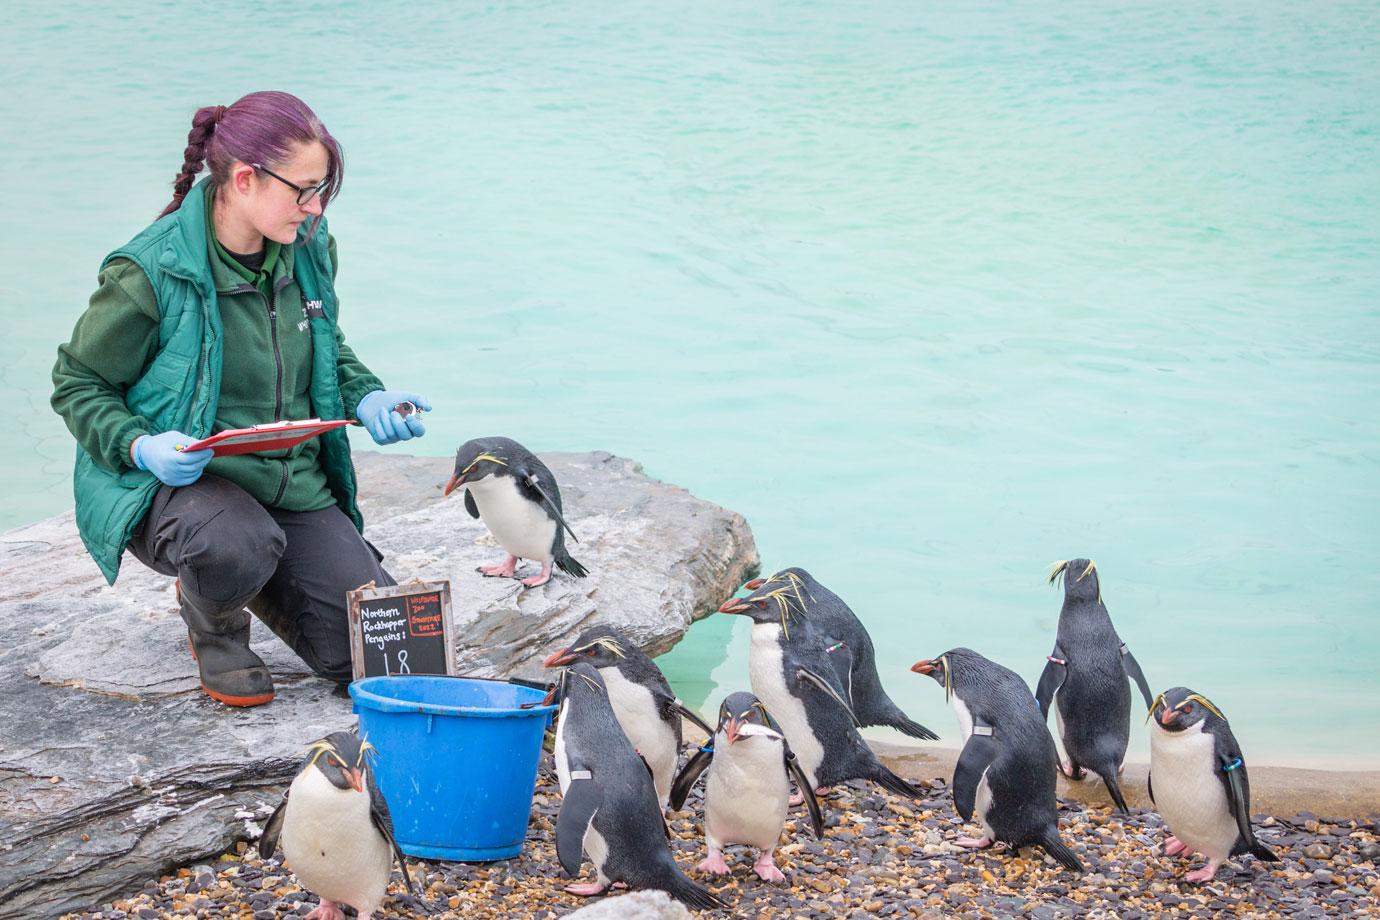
(362, 595)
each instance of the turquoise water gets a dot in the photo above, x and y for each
(933, 297)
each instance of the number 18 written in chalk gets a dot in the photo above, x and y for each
(404, 629)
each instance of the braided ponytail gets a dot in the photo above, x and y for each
(203, 126)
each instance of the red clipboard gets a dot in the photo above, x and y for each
(273, 436)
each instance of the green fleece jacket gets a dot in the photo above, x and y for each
(265, 374)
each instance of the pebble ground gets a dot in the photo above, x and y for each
(881, 856)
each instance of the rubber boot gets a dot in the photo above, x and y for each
(230, 671)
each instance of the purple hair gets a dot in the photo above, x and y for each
(258, 128)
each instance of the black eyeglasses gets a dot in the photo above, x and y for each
(304, 194)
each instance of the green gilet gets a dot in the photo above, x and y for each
(180, 388)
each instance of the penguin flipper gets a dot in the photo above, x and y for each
(689, 775)
(680, 710)
(383, 820)
(1051, 679)
(582, 799)
(1133, 671)
(1238, 795)
(976, 757)
(273, 827)
(554, 507)
(1150, 787)
(813, 678)
(470, 506)
(807, 791)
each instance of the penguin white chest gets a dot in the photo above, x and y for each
(655, 740)
(769, 683)
(982, 802)
(521, 526)
(562, 758)
(746, 794)
(1188, 792)
(331, 843)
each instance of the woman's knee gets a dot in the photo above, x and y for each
(232, 555)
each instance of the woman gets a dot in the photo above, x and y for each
(222, 314)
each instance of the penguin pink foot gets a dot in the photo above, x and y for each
(798, 798)
(540, 578)
(1204, 874)
(1070, 771)
(1173, 846)
(975, 843)
(714, 864)
(327, 910)
(766, 869)
(586, 889)
(502, 570)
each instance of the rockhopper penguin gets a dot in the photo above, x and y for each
(792, 674)
(852, 653)
(609, 805)
(1198, 782)
(516, 497)
(750, 772)
(1005, 773)
(647, 710)
(1085, 676)
(335, 829)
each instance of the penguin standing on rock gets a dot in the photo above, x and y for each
(1005, 772)
(609, 805)
(793, 676)
(855, 660)
(335, 829)
(516, 497)
(750, 771)
(1085, 676)
(647, 710)
(1203, 792)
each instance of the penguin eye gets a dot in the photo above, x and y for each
(590, 651)
(761, 604)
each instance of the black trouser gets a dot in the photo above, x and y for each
(291, 568)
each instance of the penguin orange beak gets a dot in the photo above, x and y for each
(733, 605)
(454, 483)
(924, 667)
(755, 584)
(1169, 716)
(558, 659)
(731, 730)
(356, 778)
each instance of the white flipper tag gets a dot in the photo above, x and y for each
(581, 774)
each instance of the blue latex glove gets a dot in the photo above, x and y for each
(384, 424)
(158, 454)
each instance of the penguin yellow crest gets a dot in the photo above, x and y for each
(609, 644)
(1061, 568)
(1207, 704)
(480, 459)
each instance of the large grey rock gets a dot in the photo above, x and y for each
(637, 905)
(115, 768)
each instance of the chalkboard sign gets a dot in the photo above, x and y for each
(401, 630)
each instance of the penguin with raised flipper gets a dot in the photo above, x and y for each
(1198, 782)
(609, 804)
(335, 829)
(1005, 772)
(1085, 677)
(791, 673)
(517, 498)
(649, 713)
(851, 651)
(750, 771)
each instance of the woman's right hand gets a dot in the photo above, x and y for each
(159, 454)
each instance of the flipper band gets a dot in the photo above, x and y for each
(1232, 766)
(835, 647)
(982, 730)
(1062, 661)
(581, 774)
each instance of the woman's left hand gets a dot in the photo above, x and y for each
(379, 414)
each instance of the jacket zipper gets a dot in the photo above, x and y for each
(277, 387)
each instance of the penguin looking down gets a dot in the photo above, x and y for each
(517, 498)
(851, 650)
(647, 710)
(792, 674)
(745, 799)
(1005, 772)
(1085, 676)
(1198, 782)
(335, 829)
(609, 804)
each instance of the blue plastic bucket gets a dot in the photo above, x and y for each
(457, 761)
